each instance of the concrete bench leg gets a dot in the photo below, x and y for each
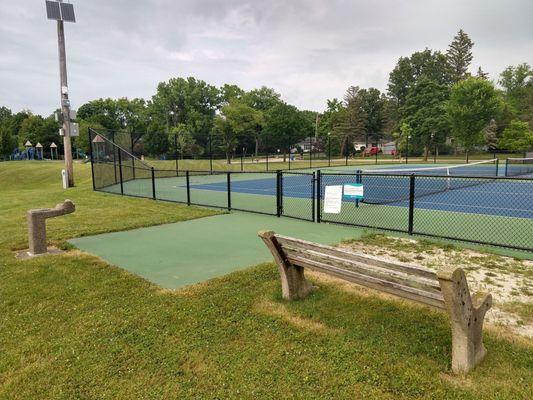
(293, 283)
(466, 317)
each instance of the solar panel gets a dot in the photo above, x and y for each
(52, 10)
(67, 12)
(60, 11)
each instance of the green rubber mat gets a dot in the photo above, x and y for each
(185, 253)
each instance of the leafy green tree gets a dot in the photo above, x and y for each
(156, 143)
(231, 92)
(262, 99)
(517, 83)
(431, 64)
(238, 122)
(473, 103)
(350, 121)
(8, 141)
(372, 103)
(517, 137)
(186, 101)
(37, 129)
(426, 113)
(186, 145)
(284, 126)
(482, 74)
(459, 56)
(401, 137)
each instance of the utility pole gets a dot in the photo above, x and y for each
(65, 102)
(59, 11)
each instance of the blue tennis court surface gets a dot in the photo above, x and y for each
(510, 198)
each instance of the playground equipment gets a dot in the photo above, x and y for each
(53, 148)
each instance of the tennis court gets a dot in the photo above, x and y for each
(481, 202)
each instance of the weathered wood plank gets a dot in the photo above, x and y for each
(372, 270)
(362, 258)
(421, 296)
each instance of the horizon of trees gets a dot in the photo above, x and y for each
(432, 100)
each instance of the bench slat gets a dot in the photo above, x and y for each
(375, 271)
(365, 259)
(421, 296)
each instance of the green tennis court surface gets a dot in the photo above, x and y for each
(184, 253)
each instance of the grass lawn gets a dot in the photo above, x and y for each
(72, 326)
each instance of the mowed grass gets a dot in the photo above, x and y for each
(72, 326)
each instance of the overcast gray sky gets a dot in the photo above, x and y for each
(308, 50)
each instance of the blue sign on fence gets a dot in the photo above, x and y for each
(354, 191)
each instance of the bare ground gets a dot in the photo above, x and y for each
(509, 280)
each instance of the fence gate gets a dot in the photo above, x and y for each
(297, 195)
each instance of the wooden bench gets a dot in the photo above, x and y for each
(446, 289)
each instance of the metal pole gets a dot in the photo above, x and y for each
(229, 190)
(467, 156)
(242, 159)
(188, 182)
(435, 154)
(91, 155)
(210, 152)
(120, 172)
(310, 152)
(153, 183)
(411, 203)
(65, 104)
(407, 151)
(318, 194)
(329, 151)
(313, 194)
(176, 153)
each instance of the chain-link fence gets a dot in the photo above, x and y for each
(471, 203)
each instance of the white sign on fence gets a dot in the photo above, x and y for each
(333, 199)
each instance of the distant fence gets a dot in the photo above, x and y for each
(487, 210)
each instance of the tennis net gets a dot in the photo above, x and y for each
(478, 168)
(519, 166)
(386, 186)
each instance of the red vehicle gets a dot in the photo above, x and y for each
(372, 151)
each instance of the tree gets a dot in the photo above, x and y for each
(473, 103)
(238, 122)
(408, 70)
(156, 143)
(459, 56)
(482, 74)
(186, 101)
(517, 83)
(284, 126)
(517, 137)
(352, 119)
(230, 92)
(262, 99)
(426, 114)
(372, 104)
(8, 142)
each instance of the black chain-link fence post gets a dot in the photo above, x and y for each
(120, 172)
(318, 194)
(411, 203)
(279, 193)
(313, 197)
(153, 183)
(229, 189)
(188, 183)
(176, 153)
(91, 155)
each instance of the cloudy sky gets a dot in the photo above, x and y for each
(308, 50)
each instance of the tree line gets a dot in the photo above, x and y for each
(432, 100)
